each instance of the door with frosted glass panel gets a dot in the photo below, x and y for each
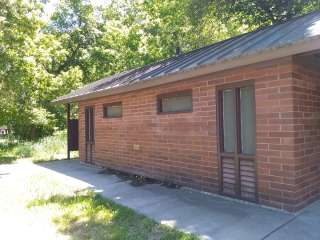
(237, 141)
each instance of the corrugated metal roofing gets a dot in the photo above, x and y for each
(276, 36)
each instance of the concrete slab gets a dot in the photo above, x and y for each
(305, 226)
(210, 217)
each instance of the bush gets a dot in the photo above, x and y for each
(49, 148)
(24, 150)
(31, 131)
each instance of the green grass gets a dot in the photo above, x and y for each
(78, 214)
(47, 200)
(6, 152)
(87, 215)
(46, 149)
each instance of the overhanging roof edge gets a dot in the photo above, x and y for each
(306, 45)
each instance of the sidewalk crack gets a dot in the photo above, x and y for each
(280, 226)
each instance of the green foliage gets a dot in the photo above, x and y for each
(260, 13)
(42, 58)
(45, 149)
(24, 150)
(51, 148)
(27, 86)
(87, 215)
(6, 151)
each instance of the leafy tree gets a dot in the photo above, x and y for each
(42, 58)
(19, 27)
(75, 26)
(27, 87)
(256, 13)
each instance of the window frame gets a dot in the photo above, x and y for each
(174, 94)
(89, 124)
(235, 88)
(106, 105)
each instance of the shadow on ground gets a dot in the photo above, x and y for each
(87, 215)
(210, 217)
(39, 161)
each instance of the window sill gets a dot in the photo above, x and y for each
(177, 112)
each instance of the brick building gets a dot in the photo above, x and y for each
(4, 130)
(240, 117)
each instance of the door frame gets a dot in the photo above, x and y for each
(89, 143)
(237, 155)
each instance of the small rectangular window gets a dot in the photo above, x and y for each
(175, 102)
(112, 110)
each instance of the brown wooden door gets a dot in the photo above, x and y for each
(237, 144)
(73, 135)
(89, 134)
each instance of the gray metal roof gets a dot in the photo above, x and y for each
(276, 36)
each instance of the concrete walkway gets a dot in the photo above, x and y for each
(207, 216)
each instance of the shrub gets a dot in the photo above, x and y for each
(24, 150)
(49, 148)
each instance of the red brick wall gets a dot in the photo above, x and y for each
(307, 112)
(182, 147)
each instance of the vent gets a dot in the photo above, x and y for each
(247, 179)
(228, 176)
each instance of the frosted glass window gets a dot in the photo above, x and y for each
(248, 144)
(178, 102)
(229, 111)
(113, 110)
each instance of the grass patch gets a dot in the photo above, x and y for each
(7, 159)
(46, 149)
(87, 215)
(7, 151)
(55, 207)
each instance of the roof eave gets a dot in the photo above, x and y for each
(310, 44)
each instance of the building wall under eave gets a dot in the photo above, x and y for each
(307, 151)
(182, 147)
